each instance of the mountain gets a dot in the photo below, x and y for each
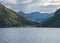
(9, 18)
(53, 21)
(36, 16)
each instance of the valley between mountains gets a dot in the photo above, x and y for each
(10, 18)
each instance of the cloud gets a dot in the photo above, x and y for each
(32, 5)
(12, 1)
(42, 6)
(9, 1)
(27, 1)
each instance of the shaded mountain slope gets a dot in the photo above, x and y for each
(9, 18)
(36, 16)
(53, 21)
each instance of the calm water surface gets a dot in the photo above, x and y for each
(29, 35)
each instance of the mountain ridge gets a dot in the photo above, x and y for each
(36, 16)
(9, 18)
(54, 21)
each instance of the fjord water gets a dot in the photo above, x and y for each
(30, 35)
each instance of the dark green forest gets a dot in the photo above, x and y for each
(53, 21)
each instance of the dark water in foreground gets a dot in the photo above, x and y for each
(33, 35)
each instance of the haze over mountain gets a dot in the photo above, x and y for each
(36, 16)
(9, 18)
(54, 21)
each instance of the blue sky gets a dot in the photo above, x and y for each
(48, 6)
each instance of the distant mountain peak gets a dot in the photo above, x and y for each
(36, 16)
(35, 12)
(21, 12)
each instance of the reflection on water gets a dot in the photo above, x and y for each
(23, 35)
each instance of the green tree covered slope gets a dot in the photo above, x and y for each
(53, 21)
(9, 18)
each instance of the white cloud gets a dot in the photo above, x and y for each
(33, 5)
(11, 1)
(27, 1)
(43, 6)
(48, 2)
(51, 2)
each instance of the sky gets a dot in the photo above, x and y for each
(27, 6)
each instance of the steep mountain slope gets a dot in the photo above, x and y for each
(53, 21)
(9, 18)
(36, 16)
